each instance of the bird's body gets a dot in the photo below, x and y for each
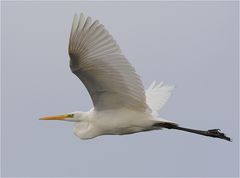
(121, 104)
(115, 122)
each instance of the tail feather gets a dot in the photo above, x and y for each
(157, 96)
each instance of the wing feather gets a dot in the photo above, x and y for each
(157, 96)
(96, 59)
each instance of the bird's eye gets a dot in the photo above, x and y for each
(71, 115)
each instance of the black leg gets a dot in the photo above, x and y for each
(210, 133)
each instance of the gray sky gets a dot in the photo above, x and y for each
(193, 45)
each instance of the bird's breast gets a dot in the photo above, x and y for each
(123, 121)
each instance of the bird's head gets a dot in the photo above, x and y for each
(74, 117)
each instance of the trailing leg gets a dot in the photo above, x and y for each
(210, 133)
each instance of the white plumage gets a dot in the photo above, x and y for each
(121, 105)
(97, 61)
(157, 95)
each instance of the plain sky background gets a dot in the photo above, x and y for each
(193, 45)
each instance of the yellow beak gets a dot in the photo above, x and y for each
(59, 117)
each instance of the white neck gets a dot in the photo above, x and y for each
(84, 127)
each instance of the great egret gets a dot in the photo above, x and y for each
(121, 105)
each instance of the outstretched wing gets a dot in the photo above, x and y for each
(97, 61)
(157, 96)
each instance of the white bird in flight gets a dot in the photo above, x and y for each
(121, 105)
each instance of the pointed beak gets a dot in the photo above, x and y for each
(59, 117)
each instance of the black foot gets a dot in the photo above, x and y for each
(216, 133)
